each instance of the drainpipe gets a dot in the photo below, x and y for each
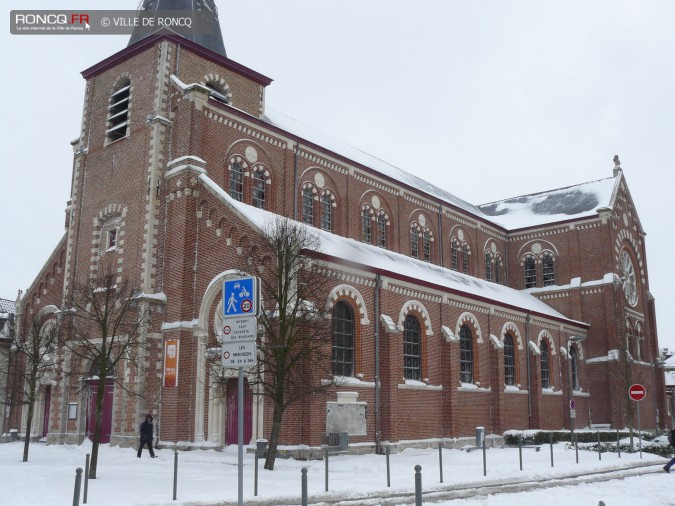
(440, 236)
(295, 181)
(378, 285)
(529, 382)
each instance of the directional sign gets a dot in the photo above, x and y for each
(240, 297)
(637, 392)
(238, 354)
(240, 329)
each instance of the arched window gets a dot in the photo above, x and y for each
(465, 355)
(307, 206)
(236, 181)
(629, 338)
(414, 241)
(530, 272)
(95, 369)
(574, 367)
(509, 361)
(258, 189)
(638, 341)
(488, 266)
(118, 111)
(366, 226)
(498, 269)
(548, 272)
(217, 92)
(426, 238)
(454, 255)
(326, 212)
(412, 349)
(465, 258)
(382, 230)
(343, 340)
(545, 368)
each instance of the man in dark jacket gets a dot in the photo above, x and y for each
(146, 436)
(671, 440)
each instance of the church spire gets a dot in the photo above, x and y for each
(205, 29)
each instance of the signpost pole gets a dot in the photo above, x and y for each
(241, 303)
(638, 392)
(240, 435)
(639, 429)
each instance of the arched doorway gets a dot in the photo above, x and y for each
(106, 420)
(231, 428)
(107, 406)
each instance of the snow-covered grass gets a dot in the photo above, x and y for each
(209, 476)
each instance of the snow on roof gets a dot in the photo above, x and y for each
(7, 306)
(562, 204)
(670, 378)
(319, 138)
(373, 257)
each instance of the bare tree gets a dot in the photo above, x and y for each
(105, 328)
(294, 350)
(33, 347)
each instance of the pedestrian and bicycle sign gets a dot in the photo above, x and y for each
(241, 304)
(240, 297)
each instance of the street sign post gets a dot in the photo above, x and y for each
(241, 297)
(239, 354)
(637, 393)
(241, 304)
(240, 329)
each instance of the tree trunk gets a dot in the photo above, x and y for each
(29, 426)
(274, 436)
(32, 385)
(97, 429)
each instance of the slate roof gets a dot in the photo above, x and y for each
(202, 11)
(7, 306)
(578, 201)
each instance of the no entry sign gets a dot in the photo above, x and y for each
(637, 392)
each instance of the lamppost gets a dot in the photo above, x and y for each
(571, 341)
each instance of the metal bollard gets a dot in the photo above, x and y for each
(484, 458)
(86, 480)
(440, 459)
(303, 471)
(418, 485)
(78, 481)
(550, 443)
(520, 452)
(599, 449)
(326, 458)
(175, 472)
(255, 480)
(387, 454)
(618, 444)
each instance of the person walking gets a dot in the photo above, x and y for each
(146, 436)
(671, 440)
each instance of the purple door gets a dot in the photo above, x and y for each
(231, 434)
(106, 421)
(45, 417)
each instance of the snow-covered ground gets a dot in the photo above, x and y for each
(210, 477)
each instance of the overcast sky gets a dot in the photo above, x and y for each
(487, 99)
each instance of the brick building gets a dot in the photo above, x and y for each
(492, 315)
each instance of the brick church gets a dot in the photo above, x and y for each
(495, 315)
